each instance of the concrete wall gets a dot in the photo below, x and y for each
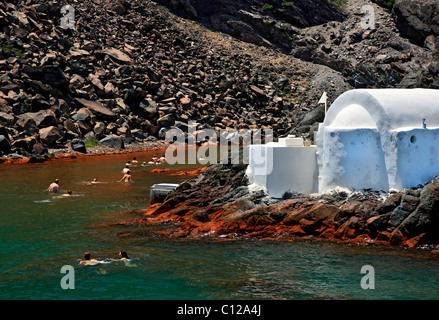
(354, 159)
(417, 156)
(292, 168)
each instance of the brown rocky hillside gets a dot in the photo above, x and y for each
(131, 68)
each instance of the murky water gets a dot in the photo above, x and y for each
(40, 233)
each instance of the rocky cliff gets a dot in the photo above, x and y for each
(131, 68)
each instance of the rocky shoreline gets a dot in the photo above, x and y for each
(97, 151)
(219, 203)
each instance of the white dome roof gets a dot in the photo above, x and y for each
(388, 109)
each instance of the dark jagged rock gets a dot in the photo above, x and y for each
(78, 145)
(5, 147)
(417, 19)
(113, 141)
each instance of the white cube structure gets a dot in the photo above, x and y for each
(284, 166)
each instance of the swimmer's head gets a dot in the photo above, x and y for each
(123, 254)
(87, 256)
(56, 180)
(129, 171)
(69, 192)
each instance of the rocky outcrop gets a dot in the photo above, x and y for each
(381, 55)
(271, 23)
(219, 203)
(417, 19)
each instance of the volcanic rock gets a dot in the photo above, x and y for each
(78, 145)
(117, 55)
(51, 135)
(97, 108)
(5, 147)
(113, 141)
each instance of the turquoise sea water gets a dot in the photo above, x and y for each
(39, 234)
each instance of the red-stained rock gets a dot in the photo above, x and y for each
(327, 233)
(415, 241)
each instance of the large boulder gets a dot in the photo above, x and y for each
(51, 135)
(166, 121)
(5, 147)
(7, 118)
(50, 74)
(425, 219)
(26, 144)
(43, 118)
(113, 141)
(116, 55)
(78, 145)
(84, 115)
(97, 108)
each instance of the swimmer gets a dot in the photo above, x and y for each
(128, 163)
(134, 160)
(65, 195)
(123, 256)
(151, 162)
(126, 177)
(68, 194)
(126, 169)
(87, 260)
(95, 181)
(143, 164)
(154, 159)
(162, 159)
(54, 186)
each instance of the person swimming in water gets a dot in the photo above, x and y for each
(123, 256)
(87, 259)
(65, 195)
(126, 177)
(54, 186)
(134, 160)
(126, 169)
